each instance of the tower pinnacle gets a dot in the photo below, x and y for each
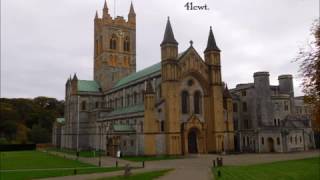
(168, 35)
(211, 45)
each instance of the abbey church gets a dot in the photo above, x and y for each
(177, 106)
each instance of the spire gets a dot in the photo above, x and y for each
(149, 89)
(105, 10)
(105, 7)
(131, 12)
(226, 92)
(168, 35)
(211, 45)
(97, 16)
(75, 77)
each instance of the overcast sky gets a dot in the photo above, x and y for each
(44, 41)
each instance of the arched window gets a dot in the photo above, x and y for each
(128, 100)
(121, 101)
(126, 44)
(113, 42)
(134, 98)
(262, 140)
(278, 140)
(197, 102)
(184, 102)
(83, 105)
(97, 104)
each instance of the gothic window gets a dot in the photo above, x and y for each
(197, 102)
(278, 122)
(162, 126)
(121, 101)
(83, 105)
(244, 107)
(286, 106)
(113, 42)
(235, 107)
(296, 139)
(244, 141)
(97, 104)
(290, 139)
(262, 140)
(128, 100)
(278, 140)
(275, 122)
(246, 124)
(126, 44)
(135, 98)
(244, 93)
(184, 102)
(300, 139)
(116, 103)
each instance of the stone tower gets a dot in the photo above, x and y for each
(114, 47)
(215, 123)
(170, 87)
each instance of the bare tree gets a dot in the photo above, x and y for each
(309, 59)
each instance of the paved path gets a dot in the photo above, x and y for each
(193, 167)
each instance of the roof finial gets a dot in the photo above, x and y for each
(96, 17)
(191, 42)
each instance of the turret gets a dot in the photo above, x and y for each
(169, 45)
(286, 84)
(169, 54)
(132, 15)
(212, 58)
(150, 125)
(74, 84)
(261, 80)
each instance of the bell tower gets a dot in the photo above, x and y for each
(114, 47)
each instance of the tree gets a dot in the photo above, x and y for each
(39, 134)
(309, 59)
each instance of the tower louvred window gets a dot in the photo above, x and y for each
(113, 42)
(126, 44)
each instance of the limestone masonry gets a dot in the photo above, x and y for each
(177, 106)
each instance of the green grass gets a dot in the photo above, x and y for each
(150, 158)
(140, 176)
(74, 152)
(35, 164)
(304, 169)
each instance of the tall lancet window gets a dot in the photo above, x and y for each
(197, 102)
(185, 102)
(126, 44)
(113, 42)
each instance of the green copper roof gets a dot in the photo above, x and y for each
(138, 75)
(126, 110)
(123, 128)
(88, 86)
(60, 120)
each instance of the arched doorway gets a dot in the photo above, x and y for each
(270, 144)
(192, 141)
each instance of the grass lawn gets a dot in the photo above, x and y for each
(150, 158)
(304, 169)
(35, 164)
(74, 152)
(140, 176)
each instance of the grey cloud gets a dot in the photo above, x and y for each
(44, 41)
